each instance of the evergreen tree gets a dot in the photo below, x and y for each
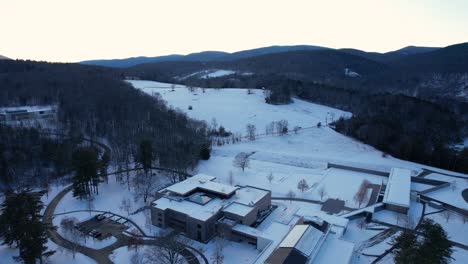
(433, 247)
(145, 154)
(405, 251)
(21, 226)
(86, 179)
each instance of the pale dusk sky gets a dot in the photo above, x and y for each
(75, 30)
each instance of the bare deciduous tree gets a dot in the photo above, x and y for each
(291, 194)
(146, 185)
(302, 185)
(126, 205)
(282, 127)
(170, 251)
(447, 214)
(296, 129)
(361, 194)
(71, 233)
(231, 178)
(270, 177)
(251, 130)
(218, 256)
(241, 160)
(270, 128)
(322, 192)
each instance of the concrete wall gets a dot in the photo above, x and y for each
(396, 208)
(350, 168)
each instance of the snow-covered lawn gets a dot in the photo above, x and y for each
(456, 229)
(295, 156)
(61, 256)
(451, 194)
(234, 108)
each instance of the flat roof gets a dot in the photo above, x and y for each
(398, 187)
(194, 210)
(203, 182)
(247, 230)
(249, 195)
(334, 250)
(238, 209)
(304, 238)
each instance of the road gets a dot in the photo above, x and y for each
(101, 256)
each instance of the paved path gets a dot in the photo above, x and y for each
(101, 256)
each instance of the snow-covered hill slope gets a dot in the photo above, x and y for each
(234, 108)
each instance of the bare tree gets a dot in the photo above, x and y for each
(322, 192)
(146, 185)
(269, 129)
(218, 256)
(126, 205)
(251, 129)
(170, 251)
(296, 129)
(241, 160)
(291, 194)
(71, 233)
(231, 178)
(214, 124)
(447, 214)
(361, 194)
(454, 185)
(302, 185)
(282, 127)
(270, 177)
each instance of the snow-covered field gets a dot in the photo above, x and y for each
(292, 157)
(289, 158)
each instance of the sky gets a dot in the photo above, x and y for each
(76, 30)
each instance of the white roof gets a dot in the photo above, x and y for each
(304, 238)
(249, 195)
(201, 181)
(293, 237)
(238, 209)
(247, 230)
(194, 210)
(334, 250)
(398, 187)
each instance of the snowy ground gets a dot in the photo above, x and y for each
(292, 157)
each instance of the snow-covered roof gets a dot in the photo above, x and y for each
(202, 182)
(203, 206)
(332, 219)
(304, 238)
(334, 250)
(249, 195)
(247, 230)
(238, 209)
(194, 210)
(398, 187)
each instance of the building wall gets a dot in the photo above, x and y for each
(396, 208)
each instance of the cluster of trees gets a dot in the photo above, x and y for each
(96, 102)
(29, 158)
(431, 246)
(89, 170)
(21, 226)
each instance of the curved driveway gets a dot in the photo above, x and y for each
(101, 256)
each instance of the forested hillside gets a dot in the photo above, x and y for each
(96, 103)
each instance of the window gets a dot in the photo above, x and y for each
(199, 226)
